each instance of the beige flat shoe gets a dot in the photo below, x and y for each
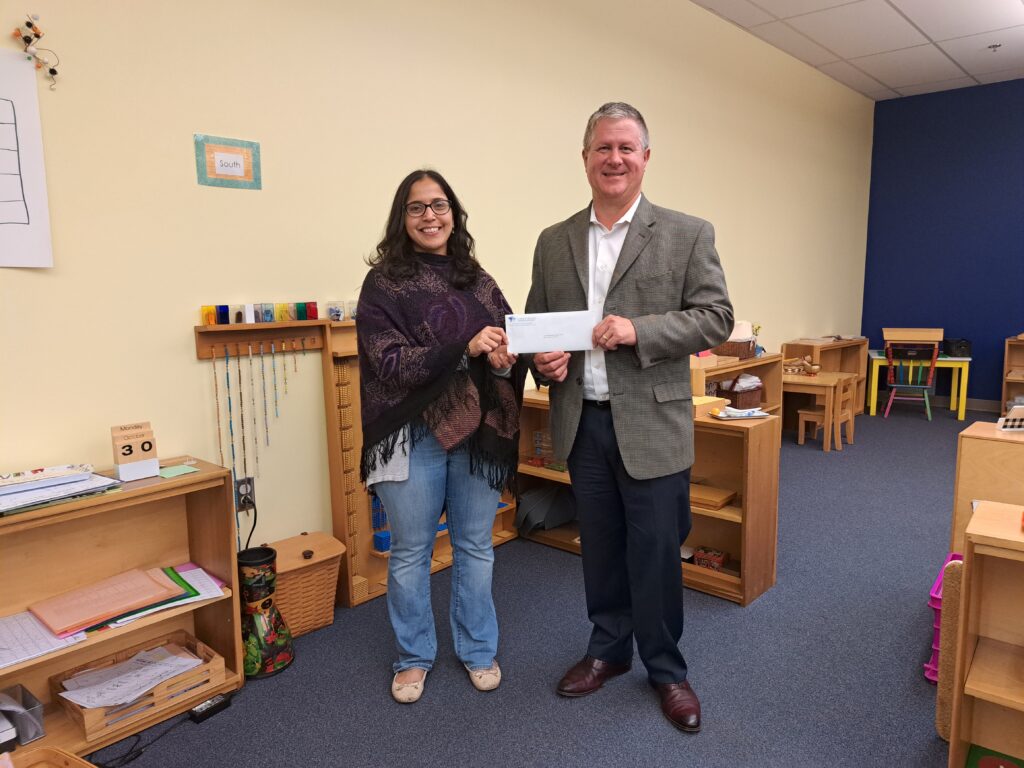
(407, 693)
(485, 679)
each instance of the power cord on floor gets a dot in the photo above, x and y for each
(135, 750)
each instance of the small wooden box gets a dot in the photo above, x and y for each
(307, 578)
(912, 334)
(99, 722)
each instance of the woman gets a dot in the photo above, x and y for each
(440, 412)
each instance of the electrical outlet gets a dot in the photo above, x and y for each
(245, 494)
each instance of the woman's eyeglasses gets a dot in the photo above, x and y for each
(439, 207)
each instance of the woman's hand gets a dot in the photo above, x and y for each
(501, 358)
(485, 342)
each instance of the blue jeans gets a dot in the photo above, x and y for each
(413, 508)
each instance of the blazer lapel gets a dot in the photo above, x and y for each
(579, 230)
(636, 240)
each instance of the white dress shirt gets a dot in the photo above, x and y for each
(604, 248)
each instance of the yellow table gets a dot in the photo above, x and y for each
(957, 392)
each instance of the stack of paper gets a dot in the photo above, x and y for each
(21, 491)
(125, 682)
(97, 603)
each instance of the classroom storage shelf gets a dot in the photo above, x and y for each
(988, 685)
(741, 456)
(1013, 370)
(145, 524)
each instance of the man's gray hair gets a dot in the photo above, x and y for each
(616, 110)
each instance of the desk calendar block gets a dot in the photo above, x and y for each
(134, 448)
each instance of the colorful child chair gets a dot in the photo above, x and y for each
(911, 372)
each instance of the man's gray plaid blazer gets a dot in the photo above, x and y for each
(669, 282)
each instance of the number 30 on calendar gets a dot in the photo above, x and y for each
(135, 454)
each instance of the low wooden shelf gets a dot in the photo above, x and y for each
(1013, 371)
(145, 524)
(740, 455)
(768, 368)
(988, 684)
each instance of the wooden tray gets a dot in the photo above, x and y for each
(48, 757)
(99, 722)
(709, 497)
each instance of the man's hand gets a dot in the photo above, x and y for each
(501, 358)
(485, 342)
(614, 330)
(552, 365)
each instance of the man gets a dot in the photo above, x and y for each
(623, 413)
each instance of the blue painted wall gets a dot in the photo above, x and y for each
(946, 222)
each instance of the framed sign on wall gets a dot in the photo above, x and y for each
(224, 162)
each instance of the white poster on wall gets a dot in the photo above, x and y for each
(24, 209)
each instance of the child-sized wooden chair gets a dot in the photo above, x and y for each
(846, 391)
(911, 372)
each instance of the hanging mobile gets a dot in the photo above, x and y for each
(263, 377)
(30, 37)
(231, 434)
(252, 402)
(273, 363)
(216, 399)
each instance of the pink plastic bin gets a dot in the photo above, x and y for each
(935, 596)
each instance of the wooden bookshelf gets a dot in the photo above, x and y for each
(1013, 371)
(144, 524)
(768, 368)
(742, 456)
(988, 684)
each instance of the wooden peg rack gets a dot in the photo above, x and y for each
(292, 336)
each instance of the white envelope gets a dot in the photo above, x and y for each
(551, 331)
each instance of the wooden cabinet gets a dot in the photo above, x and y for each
(768, 368)
(1013, 371)
(842, 355)
(148, 523)
(740, 456)
(363, 572)
(989, 465)
(988, 683)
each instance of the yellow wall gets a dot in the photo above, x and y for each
(344, 99)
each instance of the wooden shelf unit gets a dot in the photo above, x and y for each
(363, 572)
(768, 368)
(989, 465)
(1013, 371)
(737, 455)
(842, 355)
(145, 524)
(988, 684)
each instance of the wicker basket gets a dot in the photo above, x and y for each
(740, 349)
(199, 683)
(307, 578)
(750, 398)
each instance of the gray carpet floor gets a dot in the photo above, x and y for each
(825, 669)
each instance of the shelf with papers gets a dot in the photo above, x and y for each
(146, 524)
(110, 633)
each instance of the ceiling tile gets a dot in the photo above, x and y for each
(882, 95)
(959, 18)
(785, 8)
(1002, 75)
(973, 54)
(945, 85)
(909, 66)
(850, 76)
(741, 12)
(782, 36)
(859, 29)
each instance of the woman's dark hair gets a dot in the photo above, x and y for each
(395, 255)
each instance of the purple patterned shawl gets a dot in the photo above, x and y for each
(411, 335)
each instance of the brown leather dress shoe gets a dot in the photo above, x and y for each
(588, 675)
(679, 704)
